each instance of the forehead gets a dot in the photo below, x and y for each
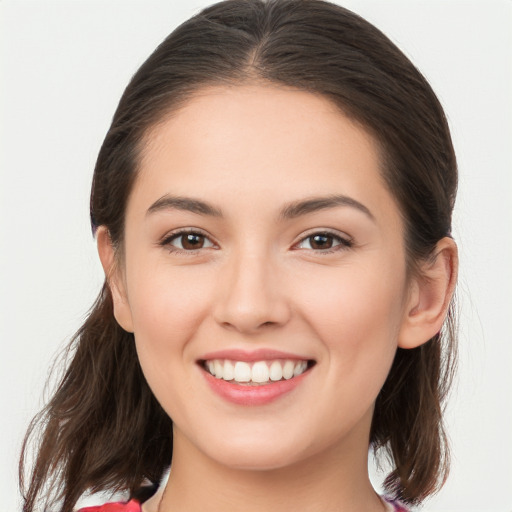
(260, 142)
(256, 114)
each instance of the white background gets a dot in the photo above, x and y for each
(64, 66)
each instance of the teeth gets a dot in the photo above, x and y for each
(218, 367)
(228, 372)
(242, 372)
(260, 372)
(276, 371)
(288, 370)
(299, 368)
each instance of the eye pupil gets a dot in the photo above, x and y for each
(321, 241)
(192, 241)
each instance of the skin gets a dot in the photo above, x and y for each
(259, 282)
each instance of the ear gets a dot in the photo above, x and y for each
(115, 280)
(430, 295)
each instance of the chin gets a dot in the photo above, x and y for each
(254, 453)
(256, 460)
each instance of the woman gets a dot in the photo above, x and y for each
(272, 206)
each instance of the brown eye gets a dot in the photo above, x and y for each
(187, 241)
(192, 241)
(321, 241)
(324, 242)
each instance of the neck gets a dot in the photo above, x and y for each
(330, 481)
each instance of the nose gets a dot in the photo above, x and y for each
(250, 295)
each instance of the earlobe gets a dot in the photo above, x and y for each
(114, 278)
(430, 296)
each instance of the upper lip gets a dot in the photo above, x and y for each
(260, 354)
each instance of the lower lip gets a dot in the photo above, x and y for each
(252, 395)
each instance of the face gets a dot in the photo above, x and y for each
(262, 246)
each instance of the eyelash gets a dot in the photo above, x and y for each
(166, 241)
(343, 243)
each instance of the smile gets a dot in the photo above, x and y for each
(256, 372)
(256, 377)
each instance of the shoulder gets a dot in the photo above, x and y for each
(127, 506)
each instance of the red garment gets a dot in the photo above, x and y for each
(134, 506)
(129, 506)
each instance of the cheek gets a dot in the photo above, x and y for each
(357, 314)
(357, 321)
(167, 309)
(167, 303)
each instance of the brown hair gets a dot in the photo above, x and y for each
(103, 428)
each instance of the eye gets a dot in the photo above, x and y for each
(186, 241)
(325, 242)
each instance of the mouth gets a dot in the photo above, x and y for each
(256, 373)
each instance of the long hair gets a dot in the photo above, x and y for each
(103, 428)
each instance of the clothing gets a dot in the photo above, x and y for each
(129, 506)
(134, 506)
(394, 506)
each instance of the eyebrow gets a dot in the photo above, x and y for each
(290, 211)
(314, 204)
(188, 204)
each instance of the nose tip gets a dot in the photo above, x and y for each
(251, 298)
(249, 323)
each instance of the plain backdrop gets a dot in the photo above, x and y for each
(64, 66)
